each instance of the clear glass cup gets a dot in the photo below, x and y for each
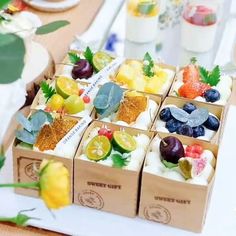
(141, 20)
(198, 27)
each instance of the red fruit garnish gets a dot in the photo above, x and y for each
(81, 91)
(190, 90)
(191, 73)
(106, 132)
(204, 87)
(192, 154)
(194, 151)
(86, 99)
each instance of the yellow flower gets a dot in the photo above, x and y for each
(54, 184)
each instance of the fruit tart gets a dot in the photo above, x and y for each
(195, 82)
(145, 76)
(83, 65)
(172, 159)
(45, 132)
(64, 95)
(115, 147)
(189, 120)
(127, 108)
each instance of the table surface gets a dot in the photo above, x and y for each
(222, 213)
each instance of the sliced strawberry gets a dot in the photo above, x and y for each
(197, 148)
(204, 88)
(192, 154)
(190, 90)
(191, 73)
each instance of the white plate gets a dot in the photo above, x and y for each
(52, 6)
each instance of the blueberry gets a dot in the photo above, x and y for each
(212, 95)
(189, 107)
(212, 123)
(165, 114)
(185, 130)
(172, 125)
(198, 131)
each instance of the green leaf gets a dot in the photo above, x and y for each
(148, 65)
(193, 60)
(210, 77)
(74, 58)
(88, 54)
(169, 165)
(38, 119)
(22, 120)
(203, 74)
(146, 7)
(118, 161)
(12, 53)
(2, 157)
(3, 3)
(108, 99)
(26, 136)
(48, 91)
(51, 27)
(215, 76)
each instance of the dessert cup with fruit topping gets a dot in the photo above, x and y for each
(190, 119)
(198, 29)
(141, 20)
(127, 108)
(145, 76)
(66, 96)
(44, 132)
(170, 158)
(83, 65)
(195, 82)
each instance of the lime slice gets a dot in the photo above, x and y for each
(146, 7)
(74, 104)
(123, 142)
(66, 87)
(98, 148)
(100, 60)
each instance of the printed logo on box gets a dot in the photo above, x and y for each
(157, 213)
(90, 198)
(31, 170)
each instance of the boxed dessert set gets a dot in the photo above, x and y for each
(138, 138)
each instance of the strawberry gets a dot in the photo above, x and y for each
(190, 73)
(190, 90)
(192, 154)
(106, 132)
(204, 88)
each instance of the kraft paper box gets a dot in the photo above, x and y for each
(176, 203)
(104, 187)
(26, 163)
(216, 110)
(155, 98)
(162, 65)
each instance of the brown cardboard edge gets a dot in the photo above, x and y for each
(179, 102)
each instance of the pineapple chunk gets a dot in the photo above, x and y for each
(154, 84)
(126, 75)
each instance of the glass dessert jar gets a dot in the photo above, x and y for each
(198, 29)
(141, 20)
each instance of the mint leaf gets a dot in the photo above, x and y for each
(146, 7)
(118, 161)
(204, 74)
(210, 77)
(193, 60)
(51, 27)
(215, 76)
(88, 54)
(48, 91)
(74, 58)
(148, 65)
(3, 3)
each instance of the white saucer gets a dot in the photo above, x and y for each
(51, 6)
